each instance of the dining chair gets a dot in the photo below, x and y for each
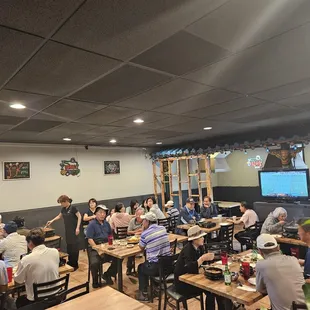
(121, 232)
(165, 223)
(296, 306)
(226, 233)
(173, 220)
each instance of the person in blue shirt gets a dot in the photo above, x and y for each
(188, 214)
(98, 232)
(304, 235)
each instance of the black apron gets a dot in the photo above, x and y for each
(70, 220)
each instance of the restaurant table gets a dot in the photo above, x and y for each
(219, 288)
(121, 252)
(106, 298)
(228, 205)
(207, 230)
(290, 241)
(53, 238)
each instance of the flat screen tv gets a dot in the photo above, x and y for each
(285, 184)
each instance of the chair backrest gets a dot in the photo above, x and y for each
(47, 290)
(63, 296)
(173, 221)
(166, 267)
(227, 234)
(296, 306)
(53, 243)
(173, 246)
(121, 232)
(165, 223)
(258, 227)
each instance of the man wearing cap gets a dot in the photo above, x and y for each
(188, 214)
(278, 275)
(304, 235)
(13, 246)
(172, 211)
(189, 261)
(154, 241)
(97, 232)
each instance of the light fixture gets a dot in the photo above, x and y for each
(207, 128)
(66, 139)
(17, 106)
(112, 141)
(159, 143)
(138, 121)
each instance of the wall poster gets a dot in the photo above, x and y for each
(16, 170)
(69, 167)
(112, 167)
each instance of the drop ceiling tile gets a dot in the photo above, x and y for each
(15, 48)
(191, 127)
(249, 22)
(199, 101)
(257, 68)
(14, 136)
(103, 130)
(220, 108)
(124, 82)
(170, 121)
(175, 90)
(127, 132)
(181, 53)
(299, 102)
(11, 120)
(108, 115)
(46, 74)
(71, 128)
(36, 125)
(123, 29)
(38, 17)
(4, 128)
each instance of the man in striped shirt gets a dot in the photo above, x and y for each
(154, 240)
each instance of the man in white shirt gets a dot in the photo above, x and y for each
(40, 266)
(13, 245)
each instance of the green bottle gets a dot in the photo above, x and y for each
(254, 252)
(227, 275)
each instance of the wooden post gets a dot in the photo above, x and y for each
(179, 182)
(162, 177)
(155, 181)
(199, 182)
(170, 179)
(208, 176)
(188, 178)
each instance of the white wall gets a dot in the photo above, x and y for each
(46, 183)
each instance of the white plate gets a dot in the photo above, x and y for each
(277, 236)
(225, 224)
(252, 281)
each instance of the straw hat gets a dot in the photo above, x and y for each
(195, 233)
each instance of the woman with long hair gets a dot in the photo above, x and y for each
(131, 210)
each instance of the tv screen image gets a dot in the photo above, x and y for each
(289, 184)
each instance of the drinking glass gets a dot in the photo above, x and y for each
(246, 270)
(224, 258)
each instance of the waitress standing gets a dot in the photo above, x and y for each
(72, 219)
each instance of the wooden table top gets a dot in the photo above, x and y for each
(219, 287)
(207, 230)
(47, 229)
(104, 298)
(227, 204)
(122, 252)
(290, 241)
(53, 238)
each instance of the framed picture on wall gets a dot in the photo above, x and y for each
(112, 167)
(16, 170)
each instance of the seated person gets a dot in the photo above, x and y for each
(120, 218)
(248, 219)
(208, 209)
(278, 275)
(154, 240)
(3, 277)
(172, 211)
(41, 265)
(134, 205)
(188, 214)
(21, 228)
(153, 207)
(108, 218)
(304, 235)
(189, 261)
(97, 232)
(134, 228)
(274, 222)
(13, 245)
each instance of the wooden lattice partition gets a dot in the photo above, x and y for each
(168, 176)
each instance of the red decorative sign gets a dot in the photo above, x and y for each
(255, 162)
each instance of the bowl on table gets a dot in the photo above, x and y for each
(251, 271)
(133, 240)
(213, 273)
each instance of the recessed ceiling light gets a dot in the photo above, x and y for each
(159, 143)
(138, 121)
(207, 128)
(66, 139)
(17, 106)
(113, 141)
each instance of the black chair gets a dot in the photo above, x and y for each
(63, 296)
(173, 246)
(227, 234)
(89, 271)
(50, 289)
(173, 221)
(2, 300)
(121, 232)
(165, 223)
(56, 243)
(252, 232)
(296, 306)
(166, 269)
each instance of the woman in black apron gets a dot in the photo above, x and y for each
(72, 219)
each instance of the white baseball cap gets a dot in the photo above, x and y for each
(170, 203)
(101, 207)
(150, 216)
(266, 242)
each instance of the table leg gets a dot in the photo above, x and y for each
(120, 275)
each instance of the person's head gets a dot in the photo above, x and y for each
(35, 237)
(101, 212)
(92, 203)
(266, 244)
(169, 204)
(304, 230)
(119, 208)
(9, 228)
(196, 236)
(139, 212)
(150, 201)
(244, 206)
(64, 201)
(134, 204)
(207, 201)
(144, 203)
(280, 214)
(190, 203)
(112, 211)
(148, 219)
(20, 221)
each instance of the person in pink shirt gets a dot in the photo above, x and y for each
(120, 218)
